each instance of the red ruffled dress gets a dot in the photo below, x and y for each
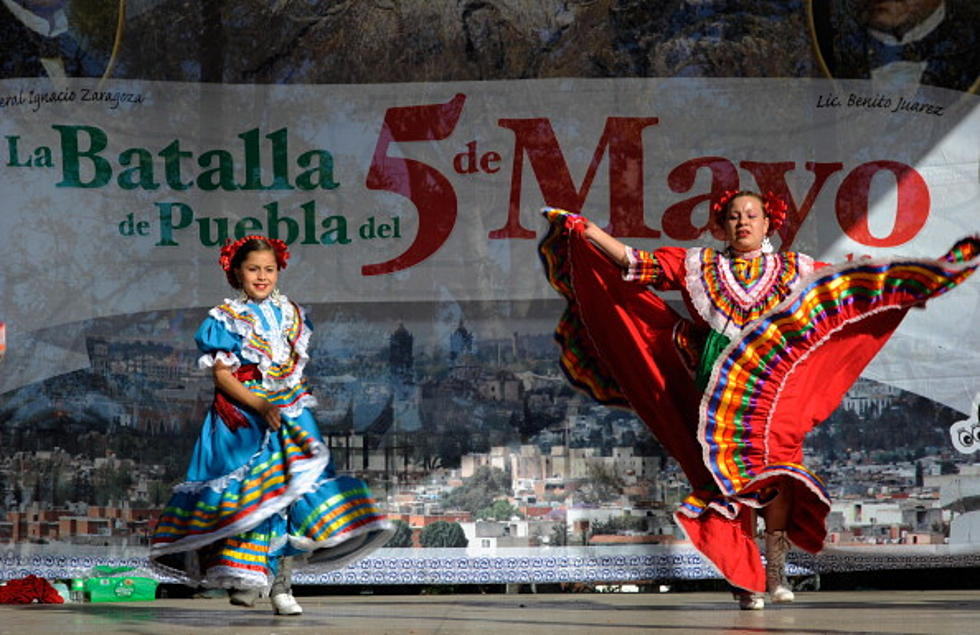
(774, 343)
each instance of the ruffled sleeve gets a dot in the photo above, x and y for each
(662, 268)
(218, 344)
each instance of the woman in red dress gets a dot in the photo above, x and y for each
(773, 343)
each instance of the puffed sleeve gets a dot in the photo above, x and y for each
(663, 268)
(218, 344)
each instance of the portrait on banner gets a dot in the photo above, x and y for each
(898, 43)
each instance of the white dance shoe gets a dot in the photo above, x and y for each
(286, 604)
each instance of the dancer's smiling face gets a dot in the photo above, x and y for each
(258, 274)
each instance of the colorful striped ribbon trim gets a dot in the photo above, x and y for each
(732, 417)
(577, 360)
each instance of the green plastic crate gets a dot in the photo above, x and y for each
(121, 589)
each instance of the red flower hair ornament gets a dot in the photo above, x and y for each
(774, 207)
(230, 249)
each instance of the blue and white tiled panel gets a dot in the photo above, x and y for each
(512, 565)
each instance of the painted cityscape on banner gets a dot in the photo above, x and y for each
(455, 413)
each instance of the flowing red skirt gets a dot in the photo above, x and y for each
(781, 376)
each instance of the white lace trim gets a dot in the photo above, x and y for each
(279, 345)
(694, 283)
(382, 526)
(227, 359)
(374, 536)
(295, 409)
(190, 575)
(747, 298)
(631, 272)
(224, 577)
(303, 475)
(219, 484)
(701, 299)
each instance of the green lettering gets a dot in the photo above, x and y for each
(280, 160)
(71, 155)
(253, 166)
(139, 176)
(204, 231)
(273, 221)
(12, 153)
(309, 223)
(42, 157)
(336, 231)
(167, 224)
(321, 176)
(172, 155)
(222, 176)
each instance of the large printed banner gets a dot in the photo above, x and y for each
(116, 196)
(412, 211)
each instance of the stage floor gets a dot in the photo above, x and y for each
(932, 612)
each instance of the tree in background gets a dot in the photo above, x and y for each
(602, 485)
(480, 490)
(443, 534)
(500, 509)
(402, 537)
(559, 535)
(617, 525)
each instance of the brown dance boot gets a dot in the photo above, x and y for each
(777, 546)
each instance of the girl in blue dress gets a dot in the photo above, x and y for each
(261, 487)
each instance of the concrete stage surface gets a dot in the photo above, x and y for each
(932, 612)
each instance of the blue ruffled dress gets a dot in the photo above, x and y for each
(252, 494)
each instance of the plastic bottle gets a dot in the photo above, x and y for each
(77, 590)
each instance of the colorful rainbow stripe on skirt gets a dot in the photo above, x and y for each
(741, 397)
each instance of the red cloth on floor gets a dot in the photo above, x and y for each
(28, 590)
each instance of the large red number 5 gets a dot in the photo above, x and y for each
(429, 191)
